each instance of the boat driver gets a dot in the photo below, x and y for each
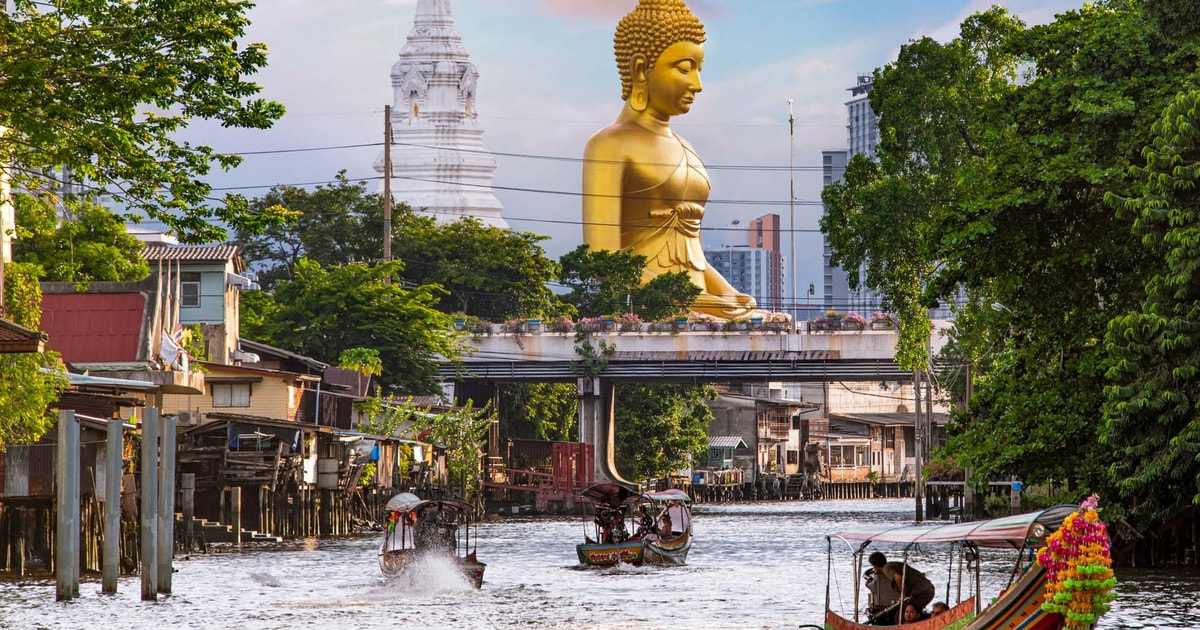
(917, 589)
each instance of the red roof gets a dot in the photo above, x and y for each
(94, 327)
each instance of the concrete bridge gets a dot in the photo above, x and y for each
(649, 356)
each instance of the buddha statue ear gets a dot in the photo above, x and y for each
(639, 98)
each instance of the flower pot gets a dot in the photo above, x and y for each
(852, 325)
(756, 323)
(680, 323)
(459, 324)
(609, 323)
(535, 326)
(882, 324)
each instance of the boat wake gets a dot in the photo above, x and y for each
(430, 574)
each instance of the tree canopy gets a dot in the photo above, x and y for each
(996, 152)
(92, 244)
(660, 428)
(26, 391)
(100, 89)
(485, 272)
(603, 282)
(324, 312)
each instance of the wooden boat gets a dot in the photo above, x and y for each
(632, 528)
(418, 529)
(670, 542)
(1019, 606)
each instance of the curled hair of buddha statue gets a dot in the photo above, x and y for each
(650, 29)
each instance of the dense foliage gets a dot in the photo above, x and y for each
(604, 282)
(997, 151)
(660, 428)
(91, 244)
(323, 312)
(26, 391)
(101, 89)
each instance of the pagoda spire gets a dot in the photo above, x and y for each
(439, 164)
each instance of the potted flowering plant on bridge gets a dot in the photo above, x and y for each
(853, 321)
(560, 324)
(628, 322)
(882, 321)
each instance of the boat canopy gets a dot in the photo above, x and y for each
(1012, 532)
(673, 494)
(407, 502)
(612, 494)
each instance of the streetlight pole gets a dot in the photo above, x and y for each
(792, 205)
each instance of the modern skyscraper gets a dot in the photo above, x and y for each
(755, 267)
(863, 130)
(439, 164)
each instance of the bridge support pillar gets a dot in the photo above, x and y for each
(597, 425)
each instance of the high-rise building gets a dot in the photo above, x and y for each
(863, 130)
(756, 266)
(439, 164)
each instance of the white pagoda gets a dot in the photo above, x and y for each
(439, 165)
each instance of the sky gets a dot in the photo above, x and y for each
(548, 80)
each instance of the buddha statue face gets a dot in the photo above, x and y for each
(641, 44)
(672, 84)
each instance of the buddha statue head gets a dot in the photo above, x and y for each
(643, 35)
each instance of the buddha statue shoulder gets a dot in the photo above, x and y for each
(644, 186)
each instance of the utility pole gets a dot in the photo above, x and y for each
(387, 182)
(792, 205)
(918, 446)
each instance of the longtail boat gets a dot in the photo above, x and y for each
(628, 527)
(418, 528)
(1021, 605)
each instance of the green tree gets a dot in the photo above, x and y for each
(323, 312)
(463, 431)
(1153, 422)
(26, 391)
(103, 88)
(539, 411)
(487, 272)
(364, 361)
(660, 428)
(332, 225)
(92, 244)
(997, 149)
(605, 282)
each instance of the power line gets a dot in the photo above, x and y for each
(567, 193)
(535, 156)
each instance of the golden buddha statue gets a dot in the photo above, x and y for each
(644, 187)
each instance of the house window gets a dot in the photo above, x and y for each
(189, 289)
(231, 394)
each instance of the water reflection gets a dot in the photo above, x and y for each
(753, 566)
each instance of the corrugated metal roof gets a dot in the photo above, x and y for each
(191, 253)
(726, 441)
(726, 355)
(95, 327)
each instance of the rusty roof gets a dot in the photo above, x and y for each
(194, 253)
(14, 338)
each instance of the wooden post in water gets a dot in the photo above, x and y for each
(235, 512)
(150, 505)
(66, 563)
(17, 523)
(166, 505)
(111, 557)
(187, 484)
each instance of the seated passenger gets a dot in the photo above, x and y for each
(913, 615)
(939, 608)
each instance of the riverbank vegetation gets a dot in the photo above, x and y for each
(1045, 179)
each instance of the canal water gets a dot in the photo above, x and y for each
(760, 565)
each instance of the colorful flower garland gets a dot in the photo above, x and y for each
(1079, 577)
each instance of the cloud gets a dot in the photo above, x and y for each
(612, 10)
